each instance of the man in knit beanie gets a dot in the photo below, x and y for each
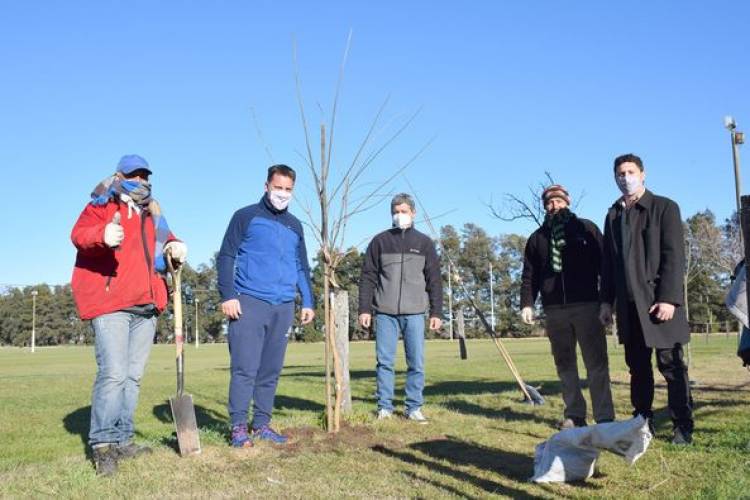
(562, 263)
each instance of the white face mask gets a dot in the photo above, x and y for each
(401, 221)
(279, 199)
(629, 184)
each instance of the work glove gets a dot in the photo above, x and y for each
(178, 250)
(113, 232)
(527, 315)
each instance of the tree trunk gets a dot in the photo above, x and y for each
(461, 325)
(330, 335)
(329, 412)
(341, 313)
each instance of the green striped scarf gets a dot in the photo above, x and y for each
(556, 223)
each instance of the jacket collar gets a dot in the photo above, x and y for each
(644, 201)
(397, 230)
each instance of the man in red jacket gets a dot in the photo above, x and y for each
(118, 284)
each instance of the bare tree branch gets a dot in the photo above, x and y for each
(362, 146)
(260, 136)
(336, 96)
(372, 157)
(298, 86)
(376, 191)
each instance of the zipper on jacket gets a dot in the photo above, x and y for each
(143, 216)
(401, 278)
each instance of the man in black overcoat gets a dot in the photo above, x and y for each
(642, 273)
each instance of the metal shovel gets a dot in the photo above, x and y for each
(183, 411)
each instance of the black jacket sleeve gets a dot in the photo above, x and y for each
(530, 274)
(434, 280)
(598, 241)
(607, 280)
(672, 256)
(369, 277)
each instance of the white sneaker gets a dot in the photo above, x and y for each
(384, 414)
(417, 416)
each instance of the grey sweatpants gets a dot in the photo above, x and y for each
(566, 325)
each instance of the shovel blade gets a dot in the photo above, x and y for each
(183, 413)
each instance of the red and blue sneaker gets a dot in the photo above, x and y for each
(265, 433)
(240, 438)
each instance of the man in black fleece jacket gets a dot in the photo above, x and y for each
(563, 261)
(400, 280)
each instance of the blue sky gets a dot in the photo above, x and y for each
(507, 90)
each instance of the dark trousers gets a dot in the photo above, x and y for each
(672, 367)
(257, 345)
(579, 323)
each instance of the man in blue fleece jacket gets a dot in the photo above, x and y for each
(261, 265)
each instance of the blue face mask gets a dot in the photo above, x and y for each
(139, 191)
(629, 184)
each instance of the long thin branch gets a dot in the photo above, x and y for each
(336, 97)
(298, 86)
(389, 179)
(316, 229)
(362, 146)
(340, 224)
(260, 136)
(375, 154)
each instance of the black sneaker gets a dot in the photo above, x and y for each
(681, 437)
(132, 450)
(105, 460)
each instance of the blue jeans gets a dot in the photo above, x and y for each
(387, 328)
(257, 345)
(123, 343)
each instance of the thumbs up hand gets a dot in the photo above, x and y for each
(113, 232)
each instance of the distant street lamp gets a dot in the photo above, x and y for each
(450, 302)
(33, 319)
(197, 331)
(737, 139)
(492, 298)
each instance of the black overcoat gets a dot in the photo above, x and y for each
(655, 267)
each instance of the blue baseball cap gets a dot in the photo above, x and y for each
(130, 163)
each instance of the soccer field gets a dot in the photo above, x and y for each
(479, 443)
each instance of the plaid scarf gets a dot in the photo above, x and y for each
(113, 186)
(556, 223)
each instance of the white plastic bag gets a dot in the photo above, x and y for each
(570, 455)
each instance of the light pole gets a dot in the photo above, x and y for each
(197, 331)
(33, 319)
(492, 298)
(737, 139)
(450, 302)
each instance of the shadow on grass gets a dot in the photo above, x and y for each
(466, 454)
(78, 422)
(353, 374)
(208, 419)
(448, 489)
(205, 418)
(292, 403)
(453, 387)
(506, 413)
(514, 466)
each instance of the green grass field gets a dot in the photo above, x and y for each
(480, 441)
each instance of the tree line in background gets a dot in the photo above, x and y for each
(712, 250)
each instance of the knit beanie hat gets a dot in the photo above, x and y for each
(555, 191)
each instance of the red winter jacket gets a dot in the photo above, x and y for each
(106, 280)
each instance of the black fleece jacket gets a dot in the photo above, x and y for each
(581, 257)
